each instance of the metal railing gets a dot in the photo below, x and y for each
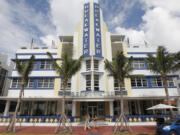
(93, 94)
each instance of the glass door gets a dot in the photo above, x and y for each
(92, 110)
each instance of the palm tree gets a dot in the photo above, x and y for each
(66, 70)
(24, 69)
(164, 63)
(120, 68)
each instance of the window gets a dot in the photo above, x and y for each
(116, 85)
(46, 83)
(139, 82)
(157, 82)
(170, 82)
(68, 85)
(96, 64)
(30, 83)
(88, 82)
(34, 64)
(96, 82)
(88, 65)
(138, 64)
(16, 83)
(46, 64)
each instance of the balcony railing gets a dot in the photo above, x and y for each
(92, 94)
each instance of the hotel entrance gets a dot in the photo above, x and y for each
(93, 108)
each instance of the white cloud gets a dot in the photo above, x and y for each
(48, 40)
(66, 14)
(160, 24)
(136, 37)
(19, 24)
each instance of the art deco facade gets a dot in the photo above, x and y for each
(91, 89)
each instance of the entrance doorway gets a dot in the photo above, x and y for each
(92, 111)
(92, 108)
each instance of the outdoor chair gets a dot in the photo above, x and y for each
(139, 119)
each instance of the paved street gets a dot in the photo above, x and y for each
(79, 130)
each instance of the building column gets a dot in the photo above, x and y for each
(178, 105)
(59, 106)
(73, 108)
(6, 111)
(139, 107)
(111, 108)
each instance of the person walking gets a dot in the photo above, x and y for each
(94, 121)
(86, 125)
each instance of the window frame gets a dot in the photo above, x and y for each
(45, 65)
(45, 83)
(96, 64)
(88, 65)
(88, 82)
(68, 84)
(96, 82)
(116, 85)
(138, 64)
(170, 82)
(139, 82)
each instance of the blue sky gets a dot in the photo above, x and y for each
(155, 21)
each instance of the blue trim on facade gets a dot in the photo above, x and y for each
(96, 72)
(140, 68)
(92, 91)
(98, 57)
(92, 71)
(151, 87)
(149, 82)
(88, 72)
(160, 76)
(31, 88)
(35, 53)
(10, 77)
(38, 59)
(35, 83)
(138, 58)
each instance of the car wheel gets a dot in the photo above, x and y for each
(173, 133)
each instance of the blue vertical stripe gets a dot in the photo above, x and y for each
(97, 31)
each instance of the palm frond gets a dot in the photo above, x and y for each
(54, 64)
(75, 66)
(110, 68)
(163, 62)
(120, 67)
(19, 66)
(28, 68)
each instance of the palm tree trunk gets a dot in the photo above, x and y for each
(164, 78)
(11, 127)
(63, 103)
(122, 103)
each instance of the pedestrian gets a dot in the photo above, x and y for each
(86, 125)
(94, 121)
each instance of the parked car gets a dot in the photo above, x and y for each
(169, 128)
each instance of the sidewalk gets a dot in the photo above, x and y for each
(78, 130)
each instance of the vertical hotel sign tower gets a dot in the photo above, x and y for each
(86, 31)
(97, 31)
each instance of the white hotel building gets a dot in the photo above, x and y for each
(91, 89)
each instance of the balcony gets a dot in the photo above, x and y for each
(93, 94)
